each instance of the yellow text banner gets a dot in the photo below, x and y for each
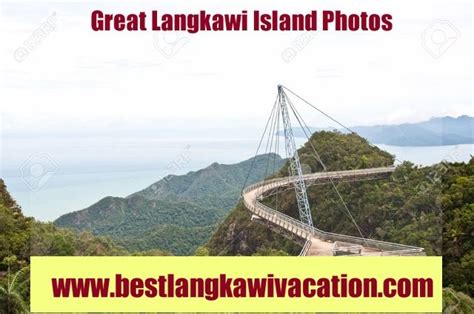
(243, 284)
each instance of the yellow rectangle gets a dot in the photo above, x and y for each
(354, 269)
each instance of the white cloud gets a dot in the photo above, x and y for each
(76, 77)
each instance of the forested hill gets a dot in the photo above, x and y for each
(22, 237)
(177, 213)
(409, 207)
(238, 235)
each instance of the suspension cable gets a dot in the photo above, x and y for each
(347, 211)
(322, 112)
(334, 120)
(300, 119)
(236, 237)
(259, 144)
(277, 145)
(269, 144)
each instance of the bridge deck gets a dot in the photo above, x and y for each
(319, 242)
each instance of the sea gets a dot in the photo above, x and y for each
(50, 177)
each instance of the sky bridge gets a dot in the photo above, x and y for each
(316, 242)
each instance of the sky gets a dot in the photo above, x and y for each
(75, 80)
(86, 114)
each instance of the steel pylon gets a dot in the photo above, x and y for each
(295, 165)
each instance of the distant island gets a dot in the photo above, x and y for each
(434, 132)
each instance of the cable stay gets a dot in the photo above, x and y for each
(304, 127)
(281, 111)
(262, 198)
(259, 145)
(332, 119)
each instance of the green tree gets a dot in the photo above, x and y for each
(202, 251)
(11, 300)
(61, 247)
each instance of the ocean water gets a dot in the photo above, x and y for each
(428, 155)
(51, 177)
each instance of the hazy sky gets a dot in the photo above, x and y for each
(133, 94)
(76, 80)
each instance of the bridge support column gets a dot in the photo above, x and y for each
(295, 165)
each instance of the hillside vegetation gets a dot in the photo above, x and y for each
(338, 152)
(458, 227)
(177, 213)
(22, 237)
(457, 302)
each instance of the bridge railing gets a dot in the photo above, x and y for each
(305, 248)
(321, 175)
(305, 231)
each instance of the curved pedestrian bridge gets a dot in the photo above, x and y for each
(319, 242)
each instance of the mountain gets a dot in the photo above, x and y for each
(238, 235)
(23, 236)
(177, 213)
(434, 132)
(430, 207)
